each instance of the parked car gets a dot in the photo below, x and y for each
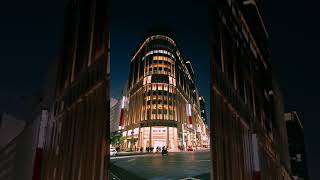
(113, 151)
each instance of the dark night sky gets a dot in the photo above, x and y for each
(31, 34)
(294, 33)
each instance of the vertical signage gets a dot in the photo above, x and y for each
(123, 105)
(256, 161)
(189, 114)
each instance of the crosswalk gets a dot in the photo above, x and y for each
(190, 178)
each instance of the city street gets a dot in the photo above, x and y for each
(176, 165)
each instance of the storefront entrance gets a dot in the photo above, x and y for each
(159, 143)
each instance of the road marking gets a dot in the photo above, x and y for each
(131, 160)
(115, 177)
(190, 178)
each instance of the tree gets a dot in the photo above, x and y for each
(116, 139)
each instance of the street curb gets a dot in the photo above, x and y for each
(129, 154)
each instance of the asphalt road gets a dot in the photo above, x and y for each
(176, 165)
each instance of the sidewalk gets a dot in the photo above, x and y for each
(133, 153)
(142, 153)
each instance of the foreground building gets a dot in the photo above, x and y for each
(77, 135)
(296, 146)
(246, 134)
(162, 105)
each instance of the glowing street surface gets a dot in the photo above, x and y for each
(176, 165)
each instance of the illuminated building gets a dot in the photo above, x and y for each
(162, 106)
(245, 132)
(298, 156)
(203, 109)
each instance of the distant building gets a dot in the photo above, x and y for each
(10, 127)
(297, 150)
(280, 131)
(21, 154)
(115, 107)
(203, 109)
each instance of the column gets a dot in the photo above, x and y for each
(167, 137)
(150, 136)
(139, 138)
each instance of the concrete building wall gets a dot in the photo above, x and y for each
(115, 108)
(17, 158)
(10, 127)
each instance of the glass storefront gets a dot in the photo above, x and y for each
(160, 136)
(139, 139)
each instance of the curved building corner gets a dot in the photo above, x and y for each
(161, 106)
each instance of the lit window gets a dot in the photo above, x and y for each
(144, 80)
(149, 79)
(154, 87)
(165, 87)
(170, 79)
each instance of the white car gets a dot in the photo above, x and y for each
(113, 151)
